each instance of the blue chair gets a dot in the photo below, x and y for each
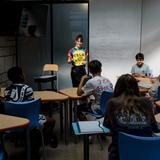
(103, 105)
(1, 152)
(103, 108)
(138, 148)
(29, 110)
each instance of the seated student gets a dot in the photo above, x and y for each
(94, 86)
(18, 91)
(140, 69)
(153, 91)
(128, 112)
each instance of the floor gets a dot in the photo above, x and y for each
(73, 151)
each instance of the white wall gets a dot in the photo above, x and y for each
(151, 34)
(115, 35)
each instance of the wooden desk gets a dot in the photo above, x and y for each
(157, 103)
(143, 90)
(144, 80)
(157, 117)
(12, 122)
(72, 94)
(51, 96)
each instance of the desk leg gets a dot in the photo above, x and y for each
(28, 146)
(3, 153)
(39, 86)
(70, 113)
(66, 123)
(62, 105)
(86, 147)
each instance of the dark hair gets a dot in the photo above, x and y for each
(95, 66)
(15, 74)
(79, 36)
(139, 56)
(127, 99)
(126, 84)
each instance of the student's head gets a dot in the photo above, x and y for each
(126, 84)
(95, 67)
(79, 41)
(15, 75)
(140, 59)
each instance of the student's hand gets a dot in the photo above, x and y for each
(84, 62)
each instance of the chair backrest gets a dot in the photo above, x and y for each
(50, 67)
(104, 99)
(27, 109)
(53, 68)
(158, 93)
(138, 148)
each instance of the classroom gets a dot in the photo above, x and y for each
(79, 79)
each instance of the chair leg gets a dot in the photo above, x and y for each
(43, 146)
(100, 142)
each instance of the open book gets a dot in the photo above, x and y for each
(90, 127)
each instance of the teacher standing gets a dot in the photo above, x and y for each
(77, 56)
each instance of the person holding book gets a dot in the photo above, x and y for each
(94, 86)
(129, 113)
(140, 69)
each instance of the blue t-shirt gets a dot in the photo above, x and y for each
(144, 69)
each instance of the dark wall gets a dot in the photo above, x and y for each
(34, 52)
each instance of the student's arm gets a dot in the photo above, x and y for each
(79, 89)
(84, 89)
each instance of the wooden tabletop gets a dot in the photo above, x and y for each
(157, 117)
(48, 96)
(71, 93)
(11, 122)
(144, 80)
(143, 90)
(157, 103)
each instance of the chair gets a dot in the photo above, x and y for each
(138, 148)
(106, 95)
(103, 105)
(53, 68)
(29, 110)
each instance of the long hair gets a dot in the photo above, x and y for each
(126, 84)
(127, 94)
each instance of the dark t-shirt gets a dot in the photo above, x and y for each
(18, 93)
(128, 123)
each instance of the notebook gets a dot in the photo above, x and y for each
(144, 85)
(90, 127)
